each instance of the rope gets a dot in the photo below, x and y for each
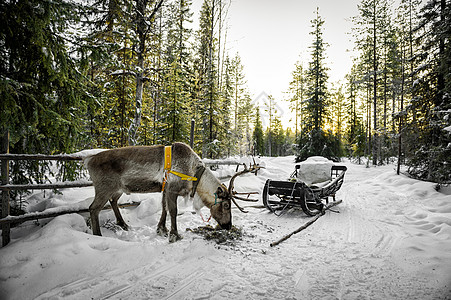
(288, 203)
(202, 217)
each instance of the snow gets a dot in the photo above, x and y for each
(315, 169)
(391, 239)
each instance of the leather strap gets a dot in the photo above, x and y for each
(199, 171)
(167, 157)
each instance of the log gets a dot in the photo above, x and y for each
(52, 214)
(310, 222)
(211, 162)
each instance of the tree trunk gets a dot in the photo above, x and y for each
(142, 28)
(141, 32)
(401, 116)
(375, 135)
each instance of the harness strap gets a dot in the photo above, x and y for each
(183, 176)
(167, 157)
(167, 165)
(167, 171)
(199, 171)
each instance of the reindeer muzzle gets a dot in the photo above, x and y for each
(226, 226)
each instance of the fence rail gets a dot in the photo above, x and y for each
(54, 213)
(62, 157)
(46, 186)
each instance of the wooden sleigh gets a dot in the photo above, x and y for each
(312, 199)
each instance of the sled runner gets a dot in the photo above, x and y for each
(281, 195)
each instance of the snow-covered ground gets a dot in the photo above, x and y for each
(391, 240)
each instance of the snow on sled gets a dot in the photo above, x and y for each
(309, 187)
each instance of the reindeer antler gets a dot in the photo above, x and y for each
(254, 168)
(233, 194)
(239, 207)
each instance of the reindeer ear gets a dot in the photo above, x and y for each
(221, 192)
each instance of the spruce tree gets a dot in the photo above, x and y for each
(43, 95)
(207, 93)
(432, 157)
(372, 23)
(315, 140)
(258, 136)
(297, 94)
(355, 136)
(175, 114)
(226, 133)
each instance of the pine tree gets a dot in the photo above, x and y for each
(143, 20)
(226, 134)
(271, 111)
(43, 96)
(297, 94)
(314, 140)
(317, 103)
(338, 111)
(258, 136)
(372, 23)
(432, 102)
(405, 23)
(277, 137)
(175, 114)
(207, 106)
(355, 133)
(240, 103)
(247, 118)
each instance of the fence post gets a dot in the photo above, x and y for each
(5, 193)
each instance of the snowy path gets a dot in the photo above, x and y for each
(391, 239)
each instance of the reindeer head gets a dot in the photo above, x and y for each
(221, 209)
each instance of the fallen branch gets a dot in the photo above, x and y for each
(54, 213)
(310, 222)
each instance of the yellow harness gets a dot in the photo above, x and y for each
(168, 165)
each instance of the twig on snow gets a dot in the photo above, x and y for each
(310, 222)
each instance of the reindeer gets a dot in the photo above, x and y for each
(140, 169)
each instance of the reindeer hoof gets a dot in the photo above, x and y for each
(174, 237)
(162, 231)
(124, 226)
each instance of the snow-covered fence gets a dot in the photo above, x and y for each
(6, 187)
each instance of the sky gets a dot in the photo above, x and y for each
(272, 35)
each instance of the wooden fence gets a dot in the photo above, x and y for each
(6, 219)
(5, 187)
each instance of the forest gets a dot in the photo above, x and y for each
(112, 73)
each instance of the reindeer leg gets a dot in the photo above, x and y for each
(172, 207)
(117, 213)
(161, 228)
(94, 209)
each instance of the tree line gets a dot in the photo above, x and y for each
(395, 103)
